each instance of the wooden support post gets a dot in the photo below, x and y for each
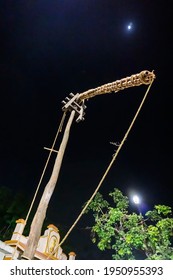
(37, 223)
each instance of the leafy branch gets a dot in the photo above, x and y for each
(127, 234)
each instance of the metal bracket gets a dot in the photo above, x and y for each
(71, 103)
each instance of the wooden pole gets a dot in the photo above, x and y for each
(37, 223)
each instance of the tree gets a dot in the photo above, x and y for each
(12, 207)
(129, 235)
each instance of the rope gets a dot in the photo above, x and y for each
(106, 172)
(45, 167)
(41, 178)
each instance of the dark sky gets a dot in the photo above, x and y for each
(51, 48)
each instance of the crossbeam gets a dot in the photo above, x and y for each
(71, 103)
(51, 150)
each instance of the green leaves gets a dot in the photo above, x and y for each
(153, 234)
(119, 199)
(97, 204)
(159, 212)
(115, 215)
(127, 233)
(164, 210)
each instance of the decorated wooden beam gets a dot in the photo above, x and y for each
(144, 77)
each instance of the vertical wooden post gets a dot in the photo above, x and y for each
(39, 217)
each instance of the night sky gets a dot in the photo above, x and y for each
(51, 48)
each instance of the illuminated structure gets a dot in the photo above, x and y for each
(48, 243)
(34, 244)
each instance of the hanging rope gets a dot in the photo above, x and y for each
(106, 172)
(45, 167)
(42, 175)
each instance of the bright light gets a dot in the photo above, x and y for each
(130, 26)
(136, 199)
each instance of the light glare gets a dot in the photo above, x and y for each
(130, 26)
(136, 199)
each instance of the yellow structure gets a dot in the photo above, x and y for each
(47, 245)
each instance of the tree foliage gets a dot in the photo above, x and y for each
(12, 207)
(129, 235)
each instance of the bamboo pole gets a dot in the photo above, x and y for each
(37, 223)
